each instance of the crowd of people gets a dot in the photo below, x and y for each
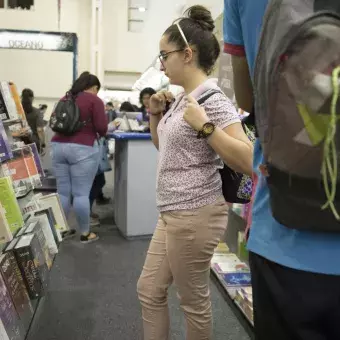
(295, 274)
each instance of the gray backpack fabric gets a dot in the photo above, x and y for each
(297, 110)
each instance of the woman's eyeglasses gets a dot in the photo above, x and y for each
(164, 56)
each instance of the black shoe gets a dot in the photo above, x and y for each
(103, 200)
(91, 237)
(68, 234)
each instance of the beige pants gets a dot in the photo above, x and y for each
(180, 251)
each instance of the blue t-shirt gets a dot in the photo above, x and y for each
(308, 251)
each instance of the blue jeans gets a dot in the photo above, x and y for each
(75, 167)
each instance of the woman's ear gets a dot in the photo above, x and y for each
(188, 55)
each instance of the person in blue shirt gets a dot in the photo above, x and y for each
(295, 274)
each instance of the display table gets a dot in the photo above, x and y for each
(135, 170)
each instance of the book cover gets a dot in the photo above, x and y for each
(52, 223)
(53, 201)
(5, 147)
(35, 228)
(11, 274)
(17, 101)
(37, 159)
(9, 101)
(49, 236)
(10, 204)
(3, 333)
(237, 279)
(16, 168)
(5, 232)
(4, 115)
(9, 315)
(31, 166)
(32, 265)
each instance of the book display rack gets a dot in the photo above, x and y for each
(31, 225)
(230, 268)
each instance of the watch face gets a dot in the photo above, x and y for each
(208, 128)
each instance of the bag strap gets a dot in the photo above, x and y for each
(201, 100)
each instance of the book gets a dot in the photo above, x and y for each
(8, 100)
(53, 201)
(15, 285)
(49, 236)
(4, 115)
(31, 166)
(5, 232)
(32, 265)
(237, 279)
(16, 169)
(35, 228)
(9, 315)
(51, 222)
(10, 204)
(37, 159)
(5, 148)
(17, 101)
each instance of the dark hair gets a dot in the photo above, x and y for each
(85, 81)
(148, 90)
(127, 107)
(27, 97)
(109, 104)
(197, 26)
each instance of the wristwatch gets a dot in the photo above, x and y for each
(206, 131)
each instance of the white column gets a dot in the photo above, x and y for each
(96, 48)
(100, 53)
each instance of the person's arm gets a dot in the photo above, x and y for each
(157, 107)
(234, 45)
(100, 121)
(234, 147)
(243, 86)
(229, 139)
(154, 121)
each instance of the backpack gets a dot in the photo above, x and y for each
(236, 187)
(297, 107)
(65, 118)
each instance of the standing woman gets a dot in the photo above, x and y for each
(34, 119)
(193, 141)
(76, 158)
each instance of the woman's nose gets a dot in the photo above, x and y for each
(162, 67)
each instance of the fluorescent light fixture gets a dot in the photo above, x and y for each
(142, 9)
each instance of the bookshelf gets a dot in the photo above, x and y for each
(230, 269)
(29, 222)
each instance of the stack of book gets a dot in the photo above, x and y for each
(234, 275)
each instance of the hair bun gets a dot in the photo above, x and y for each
(202, 16)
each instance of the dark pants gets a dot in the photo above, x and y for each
(97, 188)
(294, 305)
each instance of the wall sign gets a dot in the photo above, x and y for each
(41, 41)
(45, 41)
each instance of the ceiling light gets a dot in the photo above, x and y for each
(141, 9)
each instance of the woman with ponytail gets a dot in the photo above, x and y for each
(75, 158)
(193, 142)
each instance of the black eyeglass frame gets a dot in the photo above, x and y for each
(162, 56)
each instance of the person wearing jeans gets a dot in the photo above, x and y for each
(193, 211)
(75, 158)
(75, 167)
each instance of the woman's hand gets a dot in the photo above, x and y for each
(158, 102)
(194, 114)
